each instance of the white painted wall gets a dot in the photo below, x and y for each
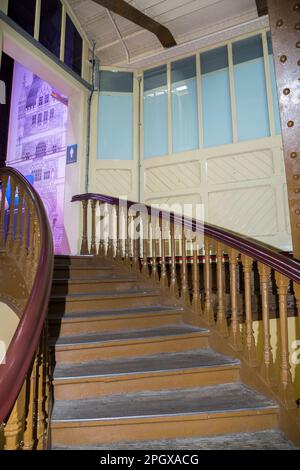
(242, 187)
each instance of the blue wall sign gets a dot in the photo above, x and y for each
(71, 154)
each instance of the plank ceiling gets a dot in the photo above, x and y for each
(186, 19)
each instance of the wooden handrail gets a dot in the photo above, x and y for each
(262, 252)
(247, 292)
(34, 256)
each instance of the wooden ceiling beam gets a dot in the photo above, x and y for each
(122, 8)
(262, 7)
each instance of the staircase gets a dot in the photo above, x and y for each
(129, 368)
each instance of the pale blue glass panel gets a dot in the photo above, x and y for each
(155, 112)
(250, 89)
(184, 105)
(216, 102)
(115, 126)
(274, 86)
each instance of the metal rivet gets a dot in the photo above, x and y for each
(297, 211)
(294, 155)
(279, 23)
(296, 177)
(297, 6)
(283, 58)
(290, 124)
(298, 63)
(297, 190)
(286, 91)
(297, 26)
(298, 44)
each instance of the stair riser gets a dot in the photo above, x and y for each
(112, 324)
(91, 287)
(137, 348)
(154, 429)
(77, 261)
(83, 273)
(137, 383)
(71, 306)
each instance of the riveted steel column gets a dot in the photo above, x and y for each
(285, 32)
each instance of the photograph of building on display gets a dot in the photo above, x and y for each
(37, 143)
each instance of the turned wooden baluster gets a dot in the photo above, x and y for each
(185, 294)
(101, 248)
(18, 242)
(40, 398)
(37, 243)
(30, 424)
(154, 269)
(13, 428)
(267, 366)
(286, 387)
(118, 241)
(221, 318)
(93, 250)
(30, 256)
(110, 247)
(145, 269)
(4, 181)
(84, 244)
(24, 248)
(173, 280)
(208, 306)
(297, 296)
(128, 240)
(47, 380)
(134, 243)
(11, 224)
(249, 341)
(163, 273)
(196, 303)
(235, 332)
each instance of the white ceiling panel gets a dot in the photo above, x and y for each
(186, 19)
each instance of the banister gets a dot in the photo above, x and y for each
(262, 252)
(244, 290)
(25, 341)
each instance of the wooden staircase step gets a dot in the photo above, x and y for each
(112, 283)
(270, 439)
(76, 260)
(102, 300)
(128, 343)
(88, 271)
(162, 371)
(165, 414)
(117, 319)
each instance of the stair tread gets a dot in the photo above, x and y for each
(84, 280)
(232, 397)
(166, 330)
(92, 267)
(200, 358)
(261, 440)
(136, 292)
(151, 309)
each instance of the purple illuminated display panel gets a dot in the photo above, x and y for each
(37, 144)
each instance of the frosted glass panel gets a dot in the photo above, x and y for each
(216, 103)
(115, 134)
(115, 121)
(155, 112)
(250, 89)
(274, 86)
(184, 105)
